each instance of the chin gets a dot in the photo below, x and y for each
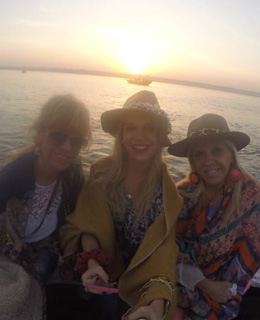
(143, 159)
(61, 166)
(215, 183)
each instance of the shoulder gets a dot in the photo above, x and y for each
(102, 162)
(251, 190)
(185, 185)
(22, 166)
(100, 165)
(16, 179)
(166, 174)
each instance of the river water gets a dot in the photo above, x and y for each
(22, 95)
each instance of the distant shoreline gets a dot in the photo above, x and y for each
(125, 75)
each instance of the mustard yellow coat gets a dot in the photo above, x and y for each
(155, 257)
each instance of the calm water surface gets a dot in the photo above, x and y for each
(22, 95)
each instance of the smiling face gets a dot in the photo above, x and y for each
(141, 137)
(58, 148)
(211, 160)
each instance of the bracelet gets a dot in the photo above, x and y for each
(95, 254)
(163, 280)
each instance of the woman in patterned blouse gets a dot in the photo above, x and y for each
(218, 228)
(40, 187)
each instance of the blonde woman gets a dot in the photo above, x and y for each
(218, 228)
(125, 217)
(40, 187)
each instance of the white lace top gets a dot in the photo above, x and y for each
(36, 210)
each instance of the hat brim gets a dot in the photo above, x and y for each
(182, 148)
(110, 120)
(21, 296)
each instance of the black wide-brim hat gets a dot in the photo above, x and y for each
(144, 101)
(208, 126)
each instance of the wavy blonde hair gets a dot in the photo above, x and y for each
(111, 178)
(201, 190)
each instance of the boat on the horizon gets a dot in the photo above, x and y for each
(139, 80)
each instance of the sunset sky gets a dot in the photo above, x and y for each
(215, 42)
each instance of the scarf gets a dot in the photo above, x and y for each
(223, 252)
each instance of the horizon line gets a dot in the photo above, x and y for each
(126, 75)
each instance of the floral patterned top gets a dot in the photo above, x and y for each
(223, 253)
(130, 231)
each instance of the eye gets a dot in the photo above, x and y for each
(129, 128)
(57, 137)
(78, 142)
(198, 155)
(151, 128)
(218, 150)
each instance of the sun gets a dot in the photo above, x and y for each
(136, 60)
(135, 55)
(135, 66)
(134, 52)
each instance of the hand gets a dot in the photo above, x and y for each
(154, 311)
(217, 290)
(94, 275)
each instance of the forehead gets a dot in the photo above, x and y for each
(64, 128)
(208, 144)
(140, 117)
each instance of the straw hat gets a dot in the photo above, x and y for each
(21, 296)
(142, 100)
(208, 125)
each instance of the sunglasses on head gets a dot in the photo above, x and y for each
(59, 137)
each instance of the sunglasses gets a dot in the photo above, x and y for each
(59, 137)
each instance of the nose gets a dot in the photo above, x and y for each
(66, 145)
(209, 158)
(140, 133)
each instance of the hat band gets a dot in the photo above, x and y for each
(205, 132)
(154, 108)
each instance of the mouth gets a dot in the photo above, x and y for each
(140, 147)
(63, 158)
(212, 173)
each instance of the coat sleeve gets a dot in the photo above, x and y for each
(153, 279)
(16, 179)
(76, 223)
(161, 284)
(92, 215)
(7, 185)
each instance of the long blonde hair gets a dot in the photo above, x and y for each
(112, 177)
(61, 111)
(234, 202)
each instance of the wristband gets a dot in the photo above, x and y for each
(95, 254)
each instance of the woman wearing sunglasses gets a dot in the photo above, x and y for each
(40, 187)
(123, 227)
